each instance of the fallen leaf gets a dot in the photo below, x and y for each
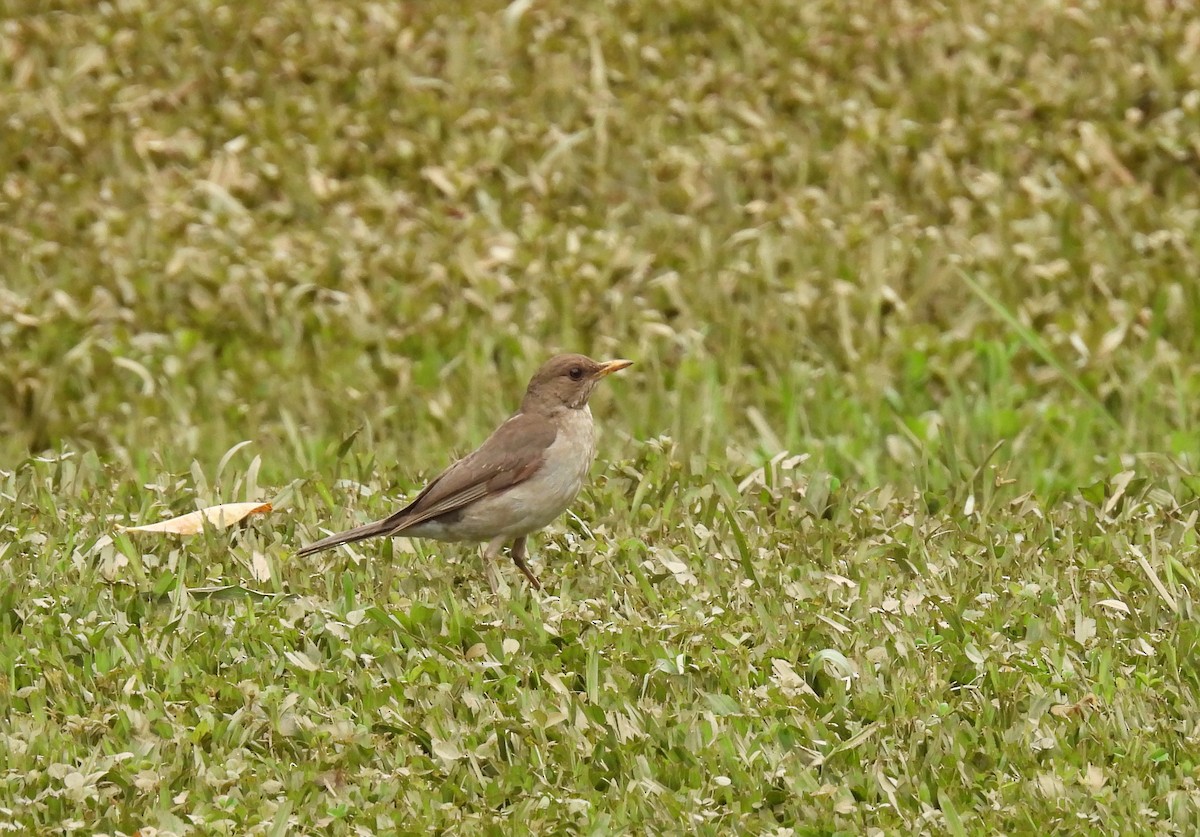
(260, 568)
(1066, 710)
(300, 660)
(681, 571)
(1120, 484)
(1093, 778)
(446, 750)
(219, 517)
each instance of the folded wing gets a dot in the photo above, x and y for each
(507, 458)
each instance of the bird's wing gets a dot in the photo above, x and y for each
(511, 455)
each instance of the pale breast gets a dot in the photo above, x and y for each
(537, 501)
(566, 465)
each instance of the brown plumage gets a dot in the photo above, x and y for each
(522, 477)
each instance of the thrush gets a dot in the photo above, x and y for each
(519, 480)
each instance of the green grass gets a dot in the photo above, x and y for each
(894, 527)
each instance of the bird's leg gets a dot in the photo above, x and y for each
(489, 563)
(518, 556)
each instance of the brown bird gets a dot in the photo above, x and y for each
(522, 477)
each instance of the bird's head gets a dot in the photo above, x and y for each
(567, 381)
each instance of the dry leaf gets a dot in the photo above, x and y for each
(301, 660)
(446, 750)
(1119, 484)
(219, 517)
(1093, 778)
(1066, 710)
(260, 567)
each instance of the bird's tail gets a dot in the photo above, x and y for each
(367, 530)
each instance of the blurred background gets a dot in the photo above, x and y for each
(865, 235)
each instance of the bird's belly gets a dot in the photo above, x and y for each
(530, 505)
(524, 508)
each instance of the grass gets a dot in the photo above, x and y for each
(894, 527)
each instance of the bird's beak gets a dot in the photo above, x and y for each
(611, 366)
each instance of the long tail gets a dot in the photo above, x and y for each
(367, 530)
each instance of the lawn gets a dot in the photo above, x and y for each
(893, 527)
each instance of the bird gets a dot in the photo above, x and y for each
(518, 481)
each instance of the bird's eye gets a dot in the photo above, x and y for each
(576, 373)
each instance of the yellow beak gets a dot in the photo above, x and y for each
(611, 366)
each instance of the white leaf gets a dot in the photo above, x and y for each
(259, 567)
(300, 660)
(446, 750)
(219, 517)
